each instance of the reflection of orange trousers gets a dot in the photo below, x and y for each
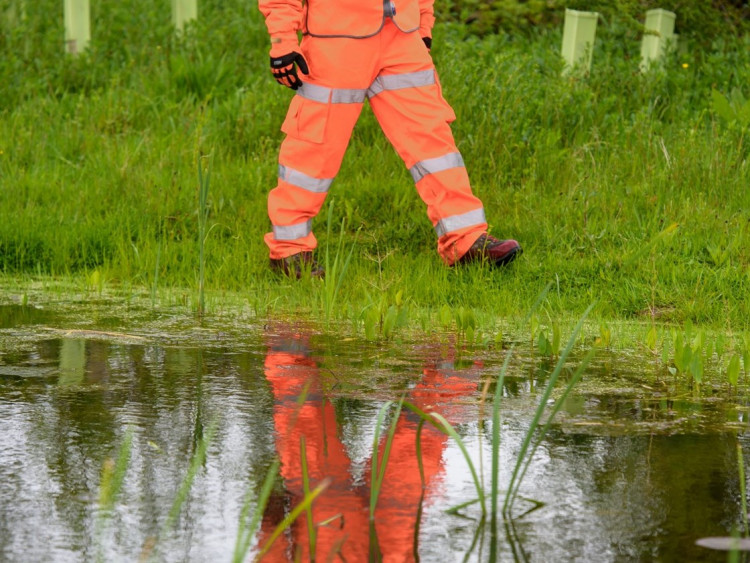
(343, 501)
(394, 71)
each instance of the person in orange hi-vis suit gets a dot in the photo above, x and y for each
(354, 50)
(343, 507)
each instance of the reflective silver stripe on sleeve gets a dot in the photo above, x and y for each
(292, 232)
(456, 222)
(323, 94)
(438, 164)
(302, 180)
(399, 81)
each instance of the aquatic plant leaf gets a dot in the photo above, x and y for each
(556, 338)
(696, 368)
(389, 323)
(678, 353)
(733, 371)
(605, 335)
(725, 543)
(445, 316)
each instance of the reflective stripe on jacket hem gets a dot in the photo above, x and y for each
(437, 164)
(302, 180)
(292, 232)
(456, 222)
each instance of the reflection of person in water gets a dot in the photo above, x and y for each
(343, 506)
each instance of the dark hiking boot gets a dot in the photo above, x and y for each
(488, 248)
(297, 265)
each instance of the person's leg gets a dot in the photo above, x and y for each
(318, 127)
(407, 101)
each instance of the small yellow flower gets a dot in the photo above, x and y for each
(684, 65)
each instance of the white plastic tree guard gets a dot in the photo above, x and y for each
(184, 11)
(77, 25)
(579, 33)
(659, 35)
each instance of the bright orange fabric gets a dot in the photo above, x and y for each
(344, 18)
(394, 71)
(346, 503)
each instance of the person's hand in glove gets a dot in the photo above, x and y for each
(284, 69)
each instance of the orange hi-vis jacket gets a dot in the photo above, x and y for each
(361, 50)
(355, 19)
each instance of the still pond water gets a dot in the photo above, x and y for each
(631, 470)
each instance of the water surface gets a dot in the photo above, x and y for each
(635, 469)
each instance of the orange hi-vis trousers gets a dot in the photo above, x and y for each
(393, 70)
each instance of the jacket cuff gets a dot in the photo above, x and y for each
(283, 45)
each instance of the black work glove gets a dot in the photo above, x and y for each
(284, 69)
(427, 42)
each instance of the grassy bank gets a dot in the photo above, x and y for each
(626, 189)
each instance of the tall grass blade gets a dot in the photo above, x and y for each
(110, 486)
(335, 270)
(743, 491)
(379, 464)
(204, 181)
(514, 480)
(495, 462)
(199, 457)
(555, 409)
(439, 422)
(113, 474)
(306, 490)
(292, 516)
(246, 531)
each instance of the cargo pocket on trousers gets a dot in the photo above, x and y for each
(449, 114)
(306, 120)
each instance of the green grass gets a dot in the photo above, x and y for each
(626, 189)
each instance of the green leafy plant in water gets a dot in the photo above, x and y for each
(385, 317)
(546, 346)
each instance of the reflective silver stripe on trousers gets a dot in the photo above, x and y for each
(438, 164)
(399, 81)
(323, 94)
(302, 180)
(456, 222)
(292, 232)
